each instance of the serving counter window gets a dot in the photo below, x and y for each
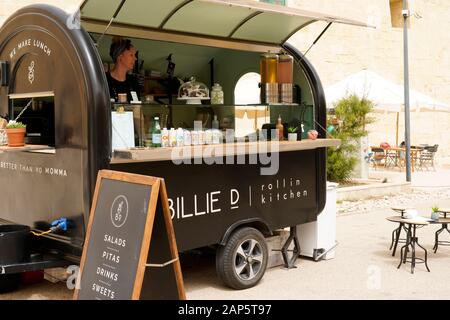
(37, 112)
(242, 122)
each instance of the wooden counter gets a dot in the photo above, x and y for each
(217, 150)
(28, 147)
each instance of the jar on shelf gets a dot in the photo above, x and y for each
(216, 94)
(269, 72)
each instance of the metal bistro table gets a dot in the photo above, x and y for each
(396, 232)
(411, 242)
(444, 222)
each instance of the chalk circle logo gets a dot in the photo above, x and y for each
(119, 211)
(31, 72)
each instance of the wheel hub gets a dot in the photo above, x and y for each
(248, 259)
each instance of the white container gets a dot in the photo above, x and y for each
(164, 138)
(172, 138)
(194, 137)
(180, 137)
(187, 138)
(216, 136)
(208, 137)
(201, 137)
(292, 136)
(319, 236)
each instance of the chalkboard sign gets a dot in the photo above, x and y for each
(130, 250)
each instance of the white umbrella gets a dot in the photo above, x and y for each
(386, 95)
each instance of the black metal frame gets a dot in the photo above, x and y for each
(37, 262)
(396, 237)
(289, 263)
(438, 242)
(396, 233)
(412, 241)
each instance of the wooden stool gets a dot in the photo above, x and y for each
(412, 241)
(444, 222)
(396, 232)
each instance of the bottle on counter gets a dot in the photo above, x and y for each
(165, 138)
(216, 136)
(201, 137)
(194, 137)
(156, 133)
(279, 129)
(215, 123)
(172, 138)
(187, 138)
(180, 137)
(209, 136)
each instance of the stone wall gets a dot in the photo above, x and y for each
(344, 50)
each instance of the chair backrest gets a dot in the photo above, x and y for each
(378, 153)
(377, 150)
(432, 148)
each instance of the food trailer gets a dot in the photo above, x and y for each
(229, 196)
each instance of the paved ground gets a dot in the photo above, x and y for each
(362, 269)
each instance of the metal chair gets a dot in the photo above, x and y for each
(378, 157)
(426, 157)
(391, 158)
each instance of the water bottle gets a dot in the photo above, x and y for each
(156, 133)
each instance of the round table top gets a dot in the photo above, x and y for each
(401, 208)
(399, 219)
(407, 221)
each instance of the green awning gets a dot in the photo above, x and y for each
(240, 20)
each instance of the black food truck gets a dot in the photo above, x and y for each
(228, 196)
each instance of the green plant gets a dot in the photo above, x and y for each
(435, 208)
(15, 125)
(292, 129)
(351, 116)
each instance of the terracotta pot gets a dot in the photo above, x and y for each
(16, 137)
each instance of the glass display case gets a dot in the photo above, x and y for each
(193, 92)
(245, 120)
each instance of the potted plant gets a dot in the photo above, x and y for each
(435, 213)
(16, 134)
(292, 134)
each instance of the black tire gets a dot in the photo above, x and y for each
(242, 262)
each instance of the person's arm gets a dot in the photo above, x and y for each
(110, 86)
(134, 85)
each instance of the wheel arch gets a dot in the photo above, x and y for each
(256, 223)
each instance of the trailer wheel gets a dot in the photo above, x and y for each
(242, 262)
